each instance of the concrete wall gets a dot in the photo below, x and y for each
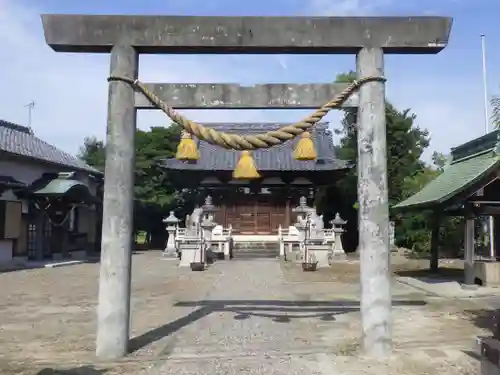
(24, 172)
(27, 172)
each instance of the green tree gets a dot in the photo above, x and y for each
(152, 184)
(495, 104)
(413, 229)
(93, 153)
(154, 193)
(439, 160)
(405, 144)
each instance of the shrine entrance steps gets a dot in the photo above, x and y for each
(254, 247)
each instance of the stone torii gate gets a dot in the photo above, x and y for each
(125, 37)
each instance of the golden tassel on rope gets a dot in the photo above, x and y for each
(305, 150)
(245, 168)
(187, 148)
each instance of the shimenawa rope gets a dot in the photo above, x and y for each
(248, 142)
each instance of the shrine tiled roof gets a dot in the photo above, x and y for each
(277, 158)
(20, 140)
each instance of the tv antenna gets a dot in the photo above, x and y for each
(30, 106)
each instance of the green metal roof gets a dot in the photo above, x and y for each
(469, 164)
(59, 187)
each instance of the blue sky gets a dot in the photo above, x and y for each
(444, 90)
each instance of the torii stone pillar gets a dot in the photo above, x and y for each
(126, 36)
(376, 298)
(113, 313)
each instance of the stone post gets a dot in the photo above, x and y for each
(469, 244)
(435, 225)
(170, 251)
(207, 226)
(302, 211)
(376, 320)
(302, 228)
(113, 312)
(208, 223)
(338, 223)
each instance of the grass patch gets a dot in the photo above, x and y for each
(140, 238)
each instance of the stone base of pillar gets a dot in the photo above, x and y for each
(320, 254)
(190, 253)
(336, 256)
(169, 255)
(469, 286)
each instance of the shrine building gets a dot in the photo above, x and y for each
(258, 207)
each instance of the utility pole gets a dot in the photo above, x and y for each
(485, 87)
(491, 226)
(30, 106)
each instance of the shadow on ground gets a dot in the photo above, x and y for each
(278, 310)
(484, 318)
(91, 259)
(84, 370)
(445, 274)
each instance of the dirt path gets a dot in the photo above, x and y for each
(48, 315)
(257, 322)
(245, 317)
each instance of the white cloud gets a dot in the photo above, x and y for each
(447, 102)
(70, 90)
(347, 7)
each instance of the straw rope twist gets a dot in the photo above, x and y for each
(248, 142)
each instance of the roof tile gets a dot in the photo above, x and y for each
(277, 158)
(20, 140)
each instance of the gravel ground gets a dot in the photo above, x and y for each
(261, 324)
(245, 317)
(48, 314)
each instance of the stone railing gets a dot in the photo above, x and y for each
(322, 236)
(288, 238)
(184, 235)
(222, 240)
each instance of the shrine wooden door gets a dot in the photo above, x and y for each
(262, 217)
(241, 217)
(255, 215)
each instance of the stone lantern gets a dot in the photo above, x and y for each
(207, 221)
(302, 210)
(338, 229)
(171, 222)
(208, 209)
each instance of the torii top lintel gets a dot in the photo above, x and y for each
(264, 35)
